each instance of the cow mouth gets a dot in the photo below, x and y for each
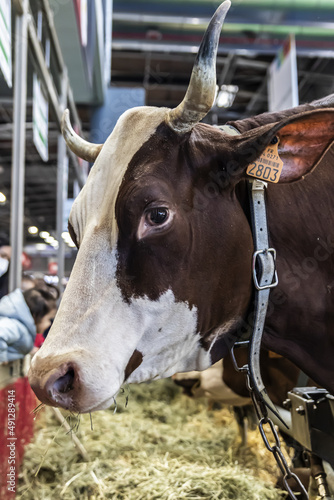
(103, 405)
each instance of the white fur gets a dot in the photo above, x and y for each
(98, 331)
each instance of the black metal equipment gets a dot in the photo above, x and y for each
(312, 420)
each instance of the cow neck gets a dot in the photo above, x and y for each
(264, 278)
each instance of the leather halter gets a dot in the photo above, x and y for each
(264, 278)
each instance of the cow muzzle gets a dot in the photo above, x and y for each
(74, 381)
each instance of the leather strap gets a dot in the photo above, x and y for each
(265, 278)
(263, 275)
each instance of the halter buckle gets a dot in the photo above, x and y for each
(265, 252)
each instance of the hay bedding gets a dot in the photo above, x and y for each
(162, 446)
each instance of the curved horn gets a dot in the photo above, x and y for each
(80, 147)
(201, 92)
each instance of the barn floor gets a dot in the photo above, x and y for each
(163, 446)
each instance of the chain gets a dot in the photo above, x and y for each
(275, 448)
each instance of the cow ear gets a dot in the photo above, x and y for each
(300, 142)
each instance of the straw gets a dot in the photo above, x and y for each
(162, 446)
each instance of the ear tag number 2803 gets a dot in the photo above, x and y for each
(268, 166)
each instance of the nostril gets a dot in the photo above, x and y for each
(58, 386)
(65, 383)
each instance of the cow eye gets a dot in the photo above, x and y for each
(156, 216)
(154, 220)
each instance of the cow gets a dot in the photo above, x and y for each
(162, 282)
(221, 383)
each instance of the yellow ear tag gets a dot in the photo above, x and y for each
(268, 167)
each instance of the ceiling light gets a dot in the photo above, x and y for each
(65, 235)
(2, 198)
(33, 230)
(49, 239)
(226, 96)
(44, 234)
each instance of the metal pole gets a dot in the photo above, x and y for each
(44, 73)
(18, 158)
(62, 182)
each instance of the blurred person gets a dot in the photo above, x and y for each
(22, 315)
(5, 255)
(53, 289)
(43, 332)
(27, 282)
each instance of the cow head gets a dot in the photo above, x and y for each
(163, 273)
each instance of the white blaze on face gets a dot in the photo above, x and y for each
(95, 328)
